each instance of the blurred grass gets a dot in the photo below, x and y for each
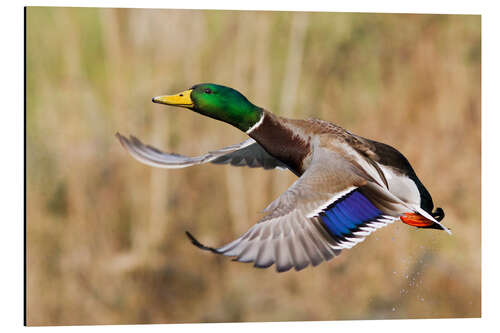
(105, 234)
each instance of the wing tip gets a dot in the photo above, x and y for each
(263, 266)
(199, 245)
(120, 137)
(283, 269)
(124, 142)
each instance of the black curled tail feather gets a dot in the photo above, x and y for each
(438, 214)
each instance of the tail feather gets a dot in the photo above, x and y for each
(438, 214)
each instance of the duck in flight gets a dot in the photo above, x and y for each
(347, 187)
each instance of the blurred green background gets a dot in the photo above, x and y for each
(105, 234)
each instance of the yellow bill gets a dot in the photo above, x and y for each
(181, 99)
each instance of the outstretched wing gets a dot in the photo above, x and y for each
(247, 153)
(324, 211)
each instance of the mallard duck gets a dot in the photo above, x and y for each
(348, 186)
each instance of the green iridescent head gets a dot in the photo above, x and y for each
(218, 102)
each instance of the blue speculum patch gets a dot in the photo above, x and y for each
(349, 212)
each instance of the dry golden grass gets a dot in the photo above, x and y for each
(105, 234)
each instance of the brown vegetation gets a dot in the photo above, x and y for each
(105, 234)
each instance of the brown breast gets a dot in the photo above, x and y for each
(283, 139)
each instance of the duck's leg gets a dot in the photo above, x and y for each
(419, 221)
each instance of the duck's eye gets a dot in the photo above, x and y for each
(208, 91)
